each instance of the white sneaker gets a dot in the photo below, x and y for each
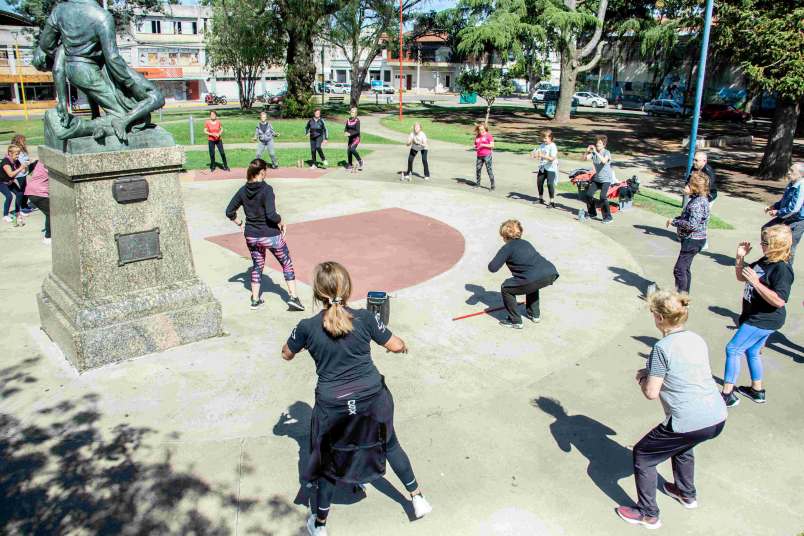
(420, 506)
(313, 530)
(46, 241)
(325, 163)
(313, 167)
(8, 219)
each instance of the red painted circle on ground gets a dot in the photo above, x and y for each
(388, 249)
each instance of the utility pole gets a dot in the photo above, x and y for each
(700, 87)
(323, 85)
(401, 74)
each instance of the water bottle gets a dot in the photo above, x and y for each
(581, 215)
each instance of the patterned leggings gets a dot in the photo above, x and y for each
(278, 248)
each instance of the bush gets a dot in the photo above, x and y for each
(292, 107)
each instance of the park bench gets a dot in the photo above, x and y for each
(427, 101)
(336, 100)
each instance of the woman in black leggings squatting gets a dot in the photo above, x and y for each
(352, 427)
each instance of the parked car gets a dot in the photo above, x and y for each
(586, 98)
(723, 112)
(663, 107)
(385, 88)
(340, 87)
(541, 94)
(629, 102)
(279, 98)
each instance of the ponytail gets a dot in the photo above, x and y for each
(332, 287)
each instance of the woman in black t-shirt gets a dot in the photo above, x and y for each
(767, 288)
(352, 428)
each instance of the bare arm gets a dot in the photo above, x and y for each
(12, 172)
(739, 263)
(396, 345)
(649, 385)
(287, 355)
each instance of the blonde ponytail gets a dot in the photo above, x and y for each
(332, 287)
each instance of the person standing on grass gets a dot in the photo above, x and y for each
(265, 135)
(484, 145)
(352, 131)
(316, 128)
(25, 160)
(547, 153)
(417, 141)
(678, 373)
(767, 289)
(352, 430)
(530, 272)
(214, 131)
(37, 191)
(691, 227)
(9, 169)
(263, 230)
(789, 210)
(601, 159)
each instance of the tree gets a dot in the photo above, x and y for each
(488, 82)
(571, 22)
(125, 12)
(244, 39)
(302, 21)
(766, 39)
(358, 30)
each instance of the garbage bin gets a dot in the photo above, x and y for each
(379, 303)
(468, 98)
(550, 109)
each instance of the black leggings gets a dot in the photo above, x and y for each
(315, 147)
(219, 144)
(682, 271)
(550, 177)
(351, 151)
(11, 191)
(43, 204)
(400, 463)
(591, 202)
(412, 157)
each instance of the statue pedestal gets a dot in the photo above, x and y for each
(123, 283)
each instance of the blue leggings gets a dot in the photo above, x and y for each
(748, 340)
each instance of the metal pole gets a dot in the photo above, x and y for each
(700, 87)
(401, 29)
(192, 131)
(18, 65)
(322, 76)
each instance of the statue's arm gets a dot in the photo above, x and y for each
(115, 64)
(48, 42)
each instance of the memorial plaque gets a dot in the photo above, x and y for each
(134, 247)
(130, 190)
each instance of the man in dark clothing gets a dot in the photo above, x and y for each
(530, 272)
(317, 130)
(700, 163)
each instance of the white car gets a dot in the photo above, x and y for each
(586, 98)
(663, 107)
(385, 88)
(340, 87)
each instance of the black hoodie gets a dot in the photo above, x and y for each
(259, 203)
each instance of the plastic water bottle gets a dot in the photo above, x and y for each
(581, 215)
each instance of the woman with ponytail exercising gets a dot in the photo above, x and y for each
(352, 427)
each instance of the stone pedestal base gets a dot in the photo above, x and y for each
(123, 282)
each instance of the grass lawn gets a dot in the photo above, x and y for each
(286, 157)
(656, 202)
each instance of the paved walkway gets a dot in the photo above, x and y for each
(525, 433)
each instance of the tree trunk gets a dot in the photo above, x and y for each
(569, 76)
(488, 112)
(358, 77)
(300, 66)
(779, 150)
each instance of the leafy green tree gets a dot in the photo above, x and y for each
(357, 31)
(766, 39)
(302, 21)
(488, 82)
(244, 39)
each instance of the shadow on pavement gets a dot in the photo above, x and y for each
(535, 201)
(61, 473)
(295, 424)
(647, 341)
(785, 346)
(627, 277)
(266, 285)
(721, 259)
(728, 313)
(656, 231)
(492, 299)
(608, 460)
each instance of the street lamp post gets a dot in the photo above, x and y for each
(700, 87)
(401, 75)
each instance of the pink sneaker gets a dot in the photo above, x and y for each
(635, 517)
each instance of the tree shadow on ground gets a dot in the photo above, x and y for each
(491, 299)
(627, 277)
(657, 231)
(608, 460)
(295, 424)
(266, 284)
(60, 473)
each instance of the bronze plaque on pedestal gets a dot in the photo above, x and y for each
(134, 247)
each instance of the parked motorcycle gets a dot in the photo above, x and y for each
(212, 99)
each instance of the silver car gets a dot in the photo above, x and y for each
(594, 100)
(663, 107)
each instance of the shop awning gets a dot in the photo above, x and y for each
(38, 78)
(161, 73)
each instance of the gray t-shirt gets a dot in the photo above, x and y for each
(602, 171)
(689, 394)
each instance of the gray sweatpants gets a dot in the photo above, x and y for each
(261, 147)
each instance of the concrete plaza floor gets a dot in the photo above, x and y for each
(510, 433)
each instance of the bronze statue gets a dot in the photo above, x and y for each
(78, 44)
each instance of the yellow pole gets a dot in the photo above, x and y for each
(18, 63)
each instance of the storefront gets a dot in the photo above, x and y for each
(172, 83)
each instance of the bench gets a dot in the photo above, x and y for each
(427, 101)
(336, 100)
